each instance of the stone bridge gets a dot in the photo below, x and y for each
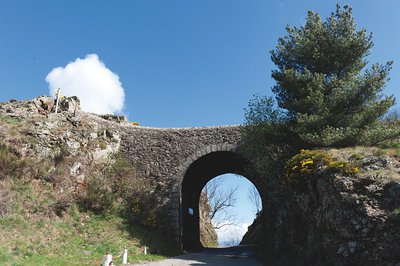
(184, 160)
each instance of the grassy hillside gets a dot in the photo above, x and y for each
(32, 234)
(66, 197)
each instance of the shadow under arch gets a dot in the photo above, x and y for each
(196, 177)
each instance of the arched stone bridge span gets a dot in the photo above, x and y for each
(183, 160)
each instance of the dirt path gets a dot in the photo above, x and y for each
(242, 256)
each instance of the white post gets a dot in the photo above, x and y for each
(125, 257)
(57, 99)
(145, 250)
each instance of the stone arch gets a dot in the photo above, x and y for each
(165, 155)
(201, 152)
(206, 164)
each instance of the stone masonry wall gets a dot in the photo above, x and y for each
(164, 154)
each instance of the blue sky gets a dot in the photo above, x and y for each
(243, 212)
(181, 63)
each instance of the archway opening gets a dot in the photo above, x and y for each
(228, 205)
(196, 177)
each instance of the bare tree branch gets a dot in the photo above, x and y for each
(225, 220)
(221, 201)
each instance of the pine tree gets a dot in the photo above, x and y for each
(322, 81)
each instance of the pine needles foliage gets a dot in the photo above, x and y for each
(325, 94)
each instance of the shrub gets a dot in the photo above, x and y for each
(62, 205)
(396, 214)
(135, 193)
(302, 165)
(9, 162)
(142, 210)
(115, 186)
(14, 165)
(61, 153)
(98, 196)
(6, 201)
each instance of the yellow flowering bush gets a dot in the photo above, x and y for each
(343, 167)
(303, 164)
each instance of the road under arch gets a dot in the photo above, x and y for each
(196, 177)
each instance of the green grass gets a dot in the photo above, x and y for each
(9, 120)
(32, 236)
(68, 242)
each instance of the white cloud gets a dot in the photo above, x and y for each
(98, 88)
(231, 234)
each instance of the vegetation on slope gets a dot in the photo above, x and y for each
(78, 238)
(326, 97)
(47, 219)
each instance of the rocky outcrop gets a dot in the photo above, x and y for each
(254, 232)
(336, 218)
(208, 236)
(33, 129)
(41, 105)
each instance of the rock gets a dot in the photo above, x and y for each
(374, 188)
(73, 145)
(352, 246)
(80, 179)
(93, 136)
(69, 104)
(44, 104)
(346, 219)
(208, 236)
(75, 169)
(374, 162)
(116, 118)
